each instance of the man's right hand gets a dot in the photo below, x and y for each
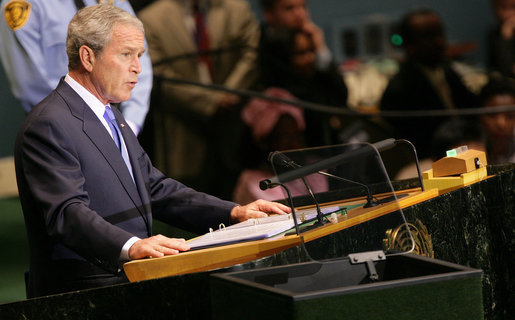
(157, 246)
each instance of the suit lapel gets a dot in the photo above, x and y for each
(97, 133)
(94, 129)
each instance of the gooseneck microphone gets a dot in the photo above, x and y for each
(282, 159)
(286, 161)
(370, 199)
(326, 163)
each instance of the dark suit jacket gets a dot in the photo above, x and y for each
(410, 89)
(80, 203)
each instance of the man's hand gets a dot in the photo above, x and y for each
(316, 35)
(157, 246)
(257, 209)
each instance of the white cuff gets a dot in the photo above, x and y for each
(124, 255)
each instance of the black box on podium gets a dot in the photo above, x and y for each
(408, 286)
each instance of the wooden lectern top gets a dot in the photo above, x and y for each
(228, 255)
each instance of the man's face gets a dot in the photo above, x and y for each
(115, 71)
(303, 59)
(499, 125)
(290, 14)
(504, 9)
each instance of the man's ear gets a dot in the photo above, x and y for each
(87, 57)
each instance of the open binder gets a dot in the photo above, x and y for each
(256, 229)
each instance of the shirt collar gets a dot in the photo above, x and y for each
(95, 105)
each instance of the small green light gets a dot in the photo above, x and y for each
(451, 153)
(396, 39)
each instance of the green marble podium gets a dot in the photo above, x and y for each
(473, 226)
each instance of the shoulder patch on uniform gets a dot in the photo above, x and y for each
(16, 13)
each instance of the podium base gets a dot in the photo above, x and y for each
(408, 287)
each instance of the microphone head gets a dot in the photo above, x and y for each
(271, 155)
(280, 158)
(385, 144)
(265, 184)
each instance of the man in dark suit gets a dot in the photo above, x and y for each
(425, 81)
(88, 190)
(290, 45)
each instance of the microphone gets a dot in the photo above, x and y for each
(324, 164)
(286, 161)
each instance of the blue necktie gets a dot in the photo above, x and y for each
(117, 137)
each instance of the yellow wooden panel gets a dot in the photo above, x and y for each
(207, 259)
(446, 184)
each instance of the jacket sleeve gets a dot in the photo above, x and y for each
(180, 206)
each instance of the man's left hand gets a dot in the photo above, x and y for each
(257, 209)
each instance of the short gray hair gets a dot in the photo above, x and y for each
(93, 27)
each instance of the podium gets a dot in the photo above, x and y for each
(360, 281)
(470, 226)
(229, 255)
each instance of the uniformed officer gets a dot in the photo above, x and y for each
(33, 52)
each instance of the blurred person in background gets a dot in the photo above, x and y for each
(293, 55)
(425, 80)
(274, 126)
(197, 131)
(499, 127)
(294, 14)
(501, 38)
